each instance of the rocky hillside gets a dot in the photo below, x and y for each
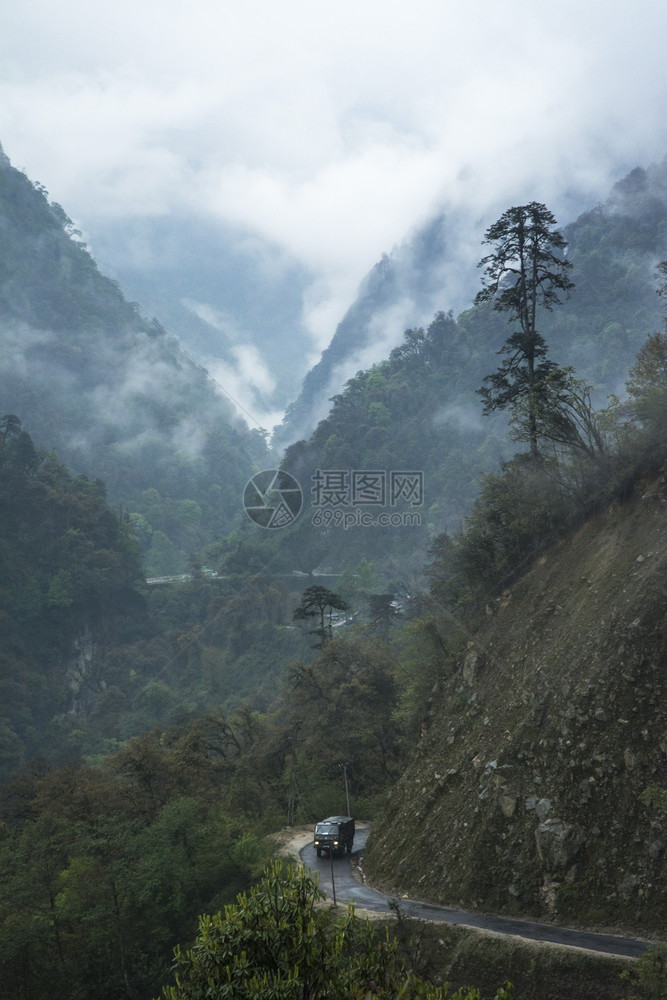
(536, 786)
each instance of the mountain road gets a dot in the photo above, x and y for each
(348, 889)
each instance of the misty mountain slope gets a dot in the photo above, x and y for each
(535, 788)
(111, 392)
(233, 300)
(614, 248)
(420, 410)
(413, 420)
(403, 289)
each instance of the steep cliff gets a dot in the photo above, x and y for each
(534, 789)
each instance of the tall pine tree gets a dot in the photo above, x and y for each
(526, 270)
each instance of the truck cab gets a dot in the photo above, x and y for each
(334, 835)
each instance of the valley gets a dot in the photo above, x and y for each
(482, 509)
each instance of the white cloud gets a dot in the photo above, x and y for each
(214, 317)
(247, 382)
(330, 130)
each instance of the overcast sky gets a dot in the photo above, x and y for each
(331, 129)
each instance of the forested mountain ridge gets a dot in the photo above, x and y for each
(70, 571)
(419, 409)
(538, 785)
(402, 288)
(234, 302)
(120, 401)
(110, 391)
(613, 247)
(546, 737)
(415, 412)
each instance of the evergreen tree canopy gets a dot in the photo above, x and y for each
(527, 269)
(320, 603)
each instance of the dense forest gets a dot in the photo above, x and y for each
(153, 733)
(69, 572)
(91, 655)
(111, 842)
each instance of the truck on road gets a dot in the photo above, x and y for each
(334, 835)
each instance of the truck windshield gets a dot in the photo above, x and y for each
(326, 828)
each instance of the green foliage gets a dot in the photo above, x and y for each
(108, 866)
(410, 412)
(655, 798)
(593, 458)
(161, 558)
(319, 603)
(561, 414)
(104, 869)
(427, 386)
(69, 570)
(277, 943)
(647, 384)
(648, 979)
(341, 708)
(428, 651)
(527, 269)
(519, 510)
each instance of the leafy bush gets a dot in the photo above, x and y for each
(277, 943)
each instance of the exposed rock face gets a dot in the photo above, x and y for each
(564, 727)
(79, 671)
(472, 664)
(558, 844)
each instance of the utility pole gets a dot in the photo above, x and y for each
(333, 884)
(291, 802)
(347, 794)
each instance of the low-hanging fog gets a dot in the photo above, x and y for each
(277, 151)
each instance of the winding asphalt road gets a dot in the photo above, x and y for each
(349, 890)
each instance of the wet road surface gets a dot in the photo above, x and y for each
(349, 890)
